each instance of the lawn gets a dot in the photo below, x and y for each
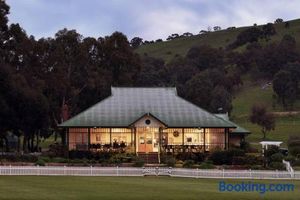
(42, 187)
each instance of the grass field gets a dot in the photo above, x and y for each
(131, 188)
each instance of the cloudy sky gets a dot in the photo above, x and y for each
(149, 19)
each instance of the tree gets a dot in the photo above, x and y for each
(136, 42)
(187, 34)
(199, 90)
(278, 21)
(217, 28)
(151, 73)
(285, 87)
(221, 98)
(120, 59)
(249, 35)
(268, 30)
(286, 25)
(4, 11)
(261, 117)
(205, 57)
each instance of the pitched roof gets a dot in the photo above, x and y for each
(238, 128)
(127, 104)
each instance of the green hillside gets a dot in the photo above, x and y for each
(250, 92)
(168, 49)
(287, 123)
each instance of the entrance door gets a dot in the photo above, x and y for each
(146, 140)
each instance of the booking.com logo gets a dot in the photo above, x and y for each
(255, 187)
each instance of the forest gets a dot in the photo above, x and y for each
(43, 82)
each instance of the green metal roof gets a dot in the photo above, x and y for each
(126, 105)
(238, 128)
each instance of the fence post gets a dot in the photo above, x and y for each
(64, 170)
(223, 172)
(91, 172)
(9, 169)
(197, 173)
(250, 172)
(37, 170)
(277, 173)
(117, 170)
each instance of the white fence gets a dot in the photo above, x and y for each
(154, 171)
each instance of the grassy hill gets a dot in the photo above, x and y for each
(287, 123)
(168, 49)
(251, 92)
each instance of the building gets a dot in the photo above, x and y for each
(150, 120)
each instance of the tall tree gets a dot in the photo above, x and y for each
(261, 117)
(120, 59)
(221, 98)
(136, 42)
(285, 87)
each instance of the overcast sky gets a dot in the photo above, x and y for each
(149, 19)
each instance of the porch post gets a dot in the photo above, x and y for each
(159, 142)
(110, 137)
(183, 150)
(204, 139)
(134, 135)
(226, 138)
(67, 138)
(89, 138)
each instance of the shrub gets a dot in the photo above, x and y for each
(276, 157)
(138, 162)
(271, 150)
(206, 165)
(236, 152)
(121, 158)
(291, 159)
(20, 158)
(57, 149)
(221, 157)
(245, 146)
(256, 167)
(170, 162)
(74, 154)
(188, 164)
(295, 151)
(46, 159)
(277, 165)
(252, 159)
(199, 157)
(238, 160)
(76, 161)
(59, 160)
(297, 163)
(40, 162)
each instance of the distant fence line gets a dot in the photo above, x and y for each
(146, 171)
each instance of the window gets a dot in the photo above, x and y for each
(193, 136)
(77, 137)
(98, 138)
